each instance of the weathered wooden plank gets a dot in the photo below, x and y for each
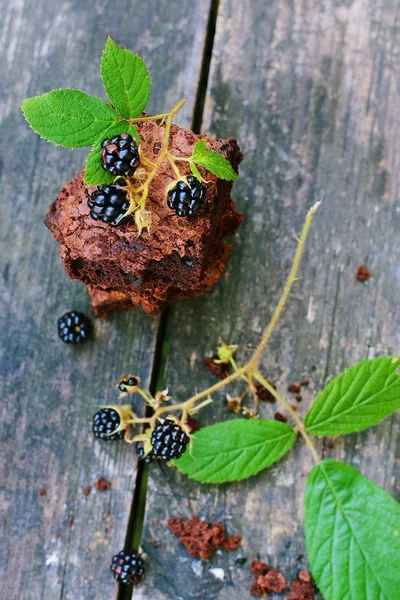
(59, 545)
(310, 90)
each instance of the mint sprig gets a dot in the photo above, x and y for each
(68, 117)
(212, 161)
(125, 79)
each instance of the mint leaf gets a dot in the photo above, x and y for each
(352, 529)
(94, 172)
(360, 397)
(68, 118)
(236, 449)
(125, 79)
(213, 161)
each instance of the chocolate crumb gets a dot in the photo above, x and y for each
(304, 383)
(103, 484)
(256, 590)
(273, 581)
(219, 370)
(263, 394)
(280, 417)
(258, 568)
(155, 543)
(363, 274)
(299, 397)
(303, 588)
(202, 538)
(42, 492)
(294, 407)
(86, 491)
(304, 576)
(294, 388)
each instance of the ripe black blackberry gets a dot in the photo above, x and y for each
(120, 155)
(109, 203)
(187, 200)
(105, 421)
(168, 440)
(128, 567)
(140, 453)
(74, 327)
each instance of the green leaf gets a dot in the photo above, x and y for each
(68, 118)
(213, 161)
(195, 171)
(352, 529)
(125, 79)
(235, 449)
(94, 172)
(360, 397)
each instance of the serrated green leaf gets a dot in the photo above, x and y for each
(68, 117)
(213, 161)
(360, 397)
(195, 171)
(125, 79)
(235, 450)
(352, 529)
(94, 172)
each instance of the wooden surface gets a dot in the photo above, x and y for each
(310, 89)
(49, 391)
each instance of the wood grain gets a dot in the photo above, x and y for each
(59, 545)
(310, 89)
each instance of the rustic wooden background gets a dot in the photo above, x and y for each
(311, 89)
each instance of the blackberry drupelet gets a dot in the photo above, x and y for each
(105, 421)
(187, 200)
(74, 327)
(140, 453)
(120, 155)
(168, 440)
(128, 567)
(109, 203)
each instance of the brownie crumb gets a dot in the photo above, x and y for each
(294, 407)
(299, 397)
(294, 388)
(304, 383)
(263, 394)
(363, 274)
(202, 538)
(86, 491)
(58, 536)
(280, 417)
(42, 492)
(303, 588)
(273, 581)
(256, 590)
(155, 543)
(257, 567)
(219, 370)
(304, 576)
(103, 484)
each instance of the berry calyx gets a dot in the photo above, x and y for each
(105, 423)
(186, 199)
(128, 384)
(120, 155)
(168, 440)
(109, 203)
(74, 327)
(128, 567)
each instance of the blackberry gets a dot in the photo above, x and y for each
(128, 567)
(140, 453)
(109, 203)
(127, 383)
(169, 440)
(120, 155)
(187, 200)
(74, 327)
(105, 421)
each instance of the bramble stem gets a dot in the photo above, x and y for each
(293, 414)
(174, 167)
(161, 116)
(288, 286)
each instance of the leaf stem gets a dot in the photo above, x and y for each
(161, 116)
(293, 414)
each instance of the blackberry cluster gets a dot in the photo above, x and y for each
(168, 440)
(74, 327)
(109, 203)
(129, 382)
(187, 200)
(140, 453)
(128, 567)
(105, 421)
(120, 155)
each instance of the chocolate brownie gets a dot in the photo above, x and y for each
(179, 257)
